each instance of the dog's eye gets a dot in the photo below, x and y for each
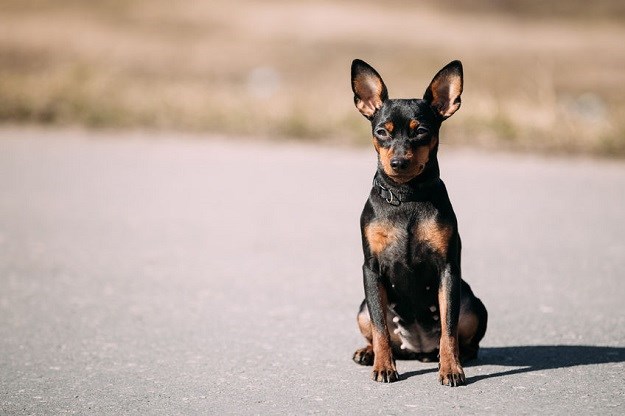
(381, 133)
(421, 131)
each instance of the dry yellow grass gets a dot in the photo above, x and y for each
(533, 79)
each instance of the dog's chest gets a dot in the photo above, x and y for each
(402, 242)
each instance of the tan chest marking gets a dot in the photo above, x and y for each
(380, 235)
(435, 234)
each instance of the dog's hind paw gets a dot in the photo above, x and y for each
(364, 356)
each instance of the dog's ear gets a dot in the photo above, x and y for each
(368, 87)
(444, 91)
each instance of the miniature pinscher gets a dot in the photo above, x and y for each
(416, 304)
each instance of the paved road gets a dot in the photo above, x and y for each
(162, 275)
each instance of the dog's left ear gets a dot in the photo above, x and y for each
(444, 91)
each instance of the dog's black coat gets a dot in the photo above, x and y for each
(416, 303)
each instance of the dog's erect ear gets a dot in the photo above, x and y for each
(444, 91)
(369, 89)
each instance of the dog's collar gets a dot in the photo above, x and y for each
(395, 195)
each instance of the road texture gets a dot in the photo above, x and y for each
(197, 275)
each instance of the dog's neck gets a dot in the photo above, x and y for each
(417, 189)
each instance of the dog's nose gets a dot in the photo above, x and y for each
(399, 163)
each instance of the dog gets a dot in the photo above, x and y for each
(416, 304)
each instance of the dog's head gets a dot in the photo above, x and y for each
(405, 131)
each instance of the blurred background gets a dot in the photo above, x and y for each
(539, 76)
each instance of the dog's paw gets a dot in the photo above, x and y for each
(364, 356)
(451, 375)
(385, 376)
(384, 373)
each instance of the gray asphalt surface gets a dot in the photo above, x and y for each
(167, 275)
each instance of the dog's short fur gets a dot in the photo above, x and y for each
(416, 303)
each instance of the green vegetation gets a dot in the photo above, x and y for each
(539, 76)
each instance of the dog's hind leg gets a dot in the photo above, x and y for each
(471, 327)
(364, 356)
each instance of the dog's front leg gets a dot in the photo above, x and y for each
(383, 362)
(450, 371)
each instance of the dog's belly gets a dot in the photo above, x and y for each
(413, 315)
(412, 337)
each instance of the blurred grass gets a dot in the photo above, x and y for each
(543, 76)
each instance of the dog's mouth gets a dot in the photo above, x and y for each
(405, 176)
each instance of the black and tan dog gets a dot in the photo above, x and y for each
(416, 304)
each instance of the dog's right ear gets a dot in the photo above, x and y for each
(368, 87)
